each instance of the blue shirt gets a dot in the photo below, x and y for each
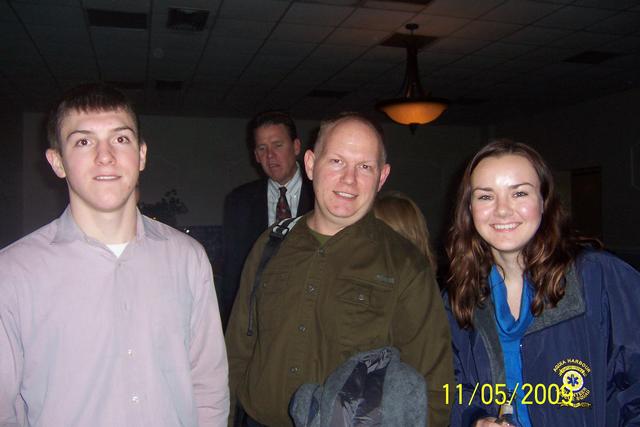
(510, 332)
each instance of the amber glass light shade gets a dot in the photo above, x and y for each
(412, 107)
(407, 111)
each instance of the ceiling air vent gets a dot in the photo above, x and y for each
(592, 57)
(183, 19)
(115, 19)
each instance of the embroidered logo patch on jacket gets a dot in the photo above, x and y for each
(573, 373)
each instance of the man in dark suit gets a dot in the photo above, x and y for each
(252, 207)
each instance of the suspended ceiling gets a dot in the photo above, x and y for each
(494, 59)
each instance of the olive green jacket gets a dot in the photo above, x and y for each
(318, 305)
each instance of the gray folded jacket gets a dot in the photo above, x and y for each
(373, 388)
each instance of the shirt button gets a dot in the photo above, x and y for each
(360, 297)
(302, 328)
(135, 398)
(310, 288)
(321, 251)
(125, 306)
(130, 352)
(293, 369)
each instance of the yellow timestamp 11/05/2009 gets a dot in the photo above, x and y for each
(499, 394)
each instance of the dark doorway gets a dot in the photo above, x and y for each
(586, 201)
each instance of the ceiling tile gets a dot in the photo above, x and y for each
(118, 40)
(300, 33)
(265, 77)
(242, 29)
(6, 13)
(217, 79)
(319, 14)
(437, 26)
(394, 5)
(70, 41)
(478, 62)
(521, 65)
(630, 44)
(187, 41)
(627, 62)
(37, 14)
(505, 50)
(276, 62)
(164, 5)
(233, 45)
(307, 75)
(623, 23)
(583, 40)
(575, 18)
(170, 70)
(374, 19)
(72, 67)
(133, 72)
(254, 10)
(386, 54)
(520, 12)
(355, 37)
(456, 45)
(368, 68)
(291, 49)
(536, 35)
(213, 61)
(462, 8)
(561, 69)
(429, 58)
(139, 6)
(452, 74)
(175, 56)
(607, 4)
(486, 30)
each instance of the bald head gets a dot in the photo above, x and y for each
(326, 126)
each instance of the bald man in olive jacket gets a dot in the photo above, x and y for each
(342, 282)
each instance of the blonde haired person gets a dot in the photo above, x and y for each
(402, 214)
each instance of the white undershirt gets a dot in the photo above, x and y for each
(117, 248)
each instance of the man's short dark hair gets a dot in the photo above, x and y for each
(86, 98)
(267, 118)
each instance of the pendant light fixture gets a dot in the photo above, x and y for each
(412, 107)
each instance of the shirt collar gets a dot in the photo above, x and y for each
(68, 229)
(366, 226)
(293, 182)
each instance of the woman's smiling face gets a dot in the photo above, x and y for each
(506, 204)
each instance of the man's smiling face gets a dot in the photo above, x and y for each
(101, 158)
(347, 174)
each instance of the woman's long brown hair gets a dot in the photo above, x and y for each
(546, 257)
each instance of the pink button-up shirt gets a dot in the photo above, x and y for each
(89, 339)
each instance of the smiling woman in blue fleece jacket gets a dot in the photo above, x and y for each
(542, 321)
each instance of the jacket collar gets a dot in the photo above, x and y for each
(571, 305)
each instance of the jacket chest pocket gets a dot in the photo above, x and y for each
(271, 304)
(359, 315)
